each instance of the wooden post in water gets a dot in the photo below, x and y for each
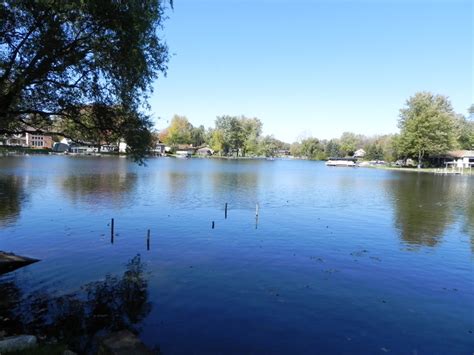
(112, 231)
(148, 240)
(225, 213)
(213, 224)
(256, 216)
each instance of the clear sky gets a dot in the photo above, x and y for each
(313, 67)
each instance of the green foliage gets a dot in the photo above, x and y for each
(465, 133)
(311, 148)
(59, 57)
(427, 126)
(198, 136)
(374, 151)
(233, 133)
(252, 130)
(217, 141)
(333, 149)
(269, 146)
(180, 131)
(295, 149)
(349, 143)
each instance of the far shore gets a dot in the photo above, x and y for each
(440, 171)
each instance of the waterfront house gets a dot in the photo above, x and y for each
(204, 152)
(359, 153)
(29, 139)
(122, 147)
(59, 147)
(83, 149)
(461, 158)
(159, 149)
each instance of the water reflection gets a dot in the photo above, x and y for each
(469, 219)
(100, 307)
(104, 189)
(241, 189)
(11, 198)
(424, 207)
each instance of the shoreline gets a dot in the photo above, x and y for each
(434, 171)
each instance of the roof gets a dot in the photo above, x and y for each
(461, 153)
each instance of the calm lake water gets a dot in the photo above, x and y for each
(340, 260)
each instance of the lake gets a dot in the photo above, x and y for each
(340, 260)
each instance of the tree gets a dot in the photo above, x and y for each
(465, 132)
(295, 149)
(198, 136)
(332, 149)
(217, 141)
(252, 130)
(312, 149)
(427, 126)
(374, 151)
(57, 57)
(232, 132)
(268, 146)
(470, 110)
(179, 131)
(349, 142)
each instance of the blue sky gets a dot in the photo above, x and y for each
(313, 67)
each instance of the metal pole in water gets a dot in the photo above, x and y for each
(213, 224)
(112, 231)
(148, 240)
(225, 213)
(256, 210)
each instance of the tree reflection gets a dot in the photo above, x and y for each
(423, 207)
(100, 188)
(100, 307)
(469, 217)
(11, 197)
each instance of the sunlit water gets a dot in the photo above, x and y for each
(340, 260)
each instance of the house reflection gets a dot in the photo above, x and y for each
(100, 307)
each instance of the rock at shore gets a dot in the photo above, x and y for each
(123, 342)
(10, 262)
(16, 343)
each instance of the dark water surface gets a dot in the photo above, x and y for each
(340, 261)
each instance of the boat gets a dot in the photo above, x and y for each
(343, 162)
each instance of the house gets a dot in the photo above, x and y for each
(204, 152)
(38, 141)
(359, 153)
(17, 140)
(183, 154)
(122, 148)
(461, 158)
(159, 149)
(83, 149)
(283, 152)
(59, 147)
(184, 149)
(30, 139)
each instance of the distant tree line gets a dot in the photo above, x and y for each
(230, 136)
(429, 127)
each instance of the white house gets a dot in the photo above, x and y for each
(122, 147)
(359, 153)
(462, 158)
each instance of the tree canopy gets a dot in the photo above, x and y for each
(427, 126)
(58, 57)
